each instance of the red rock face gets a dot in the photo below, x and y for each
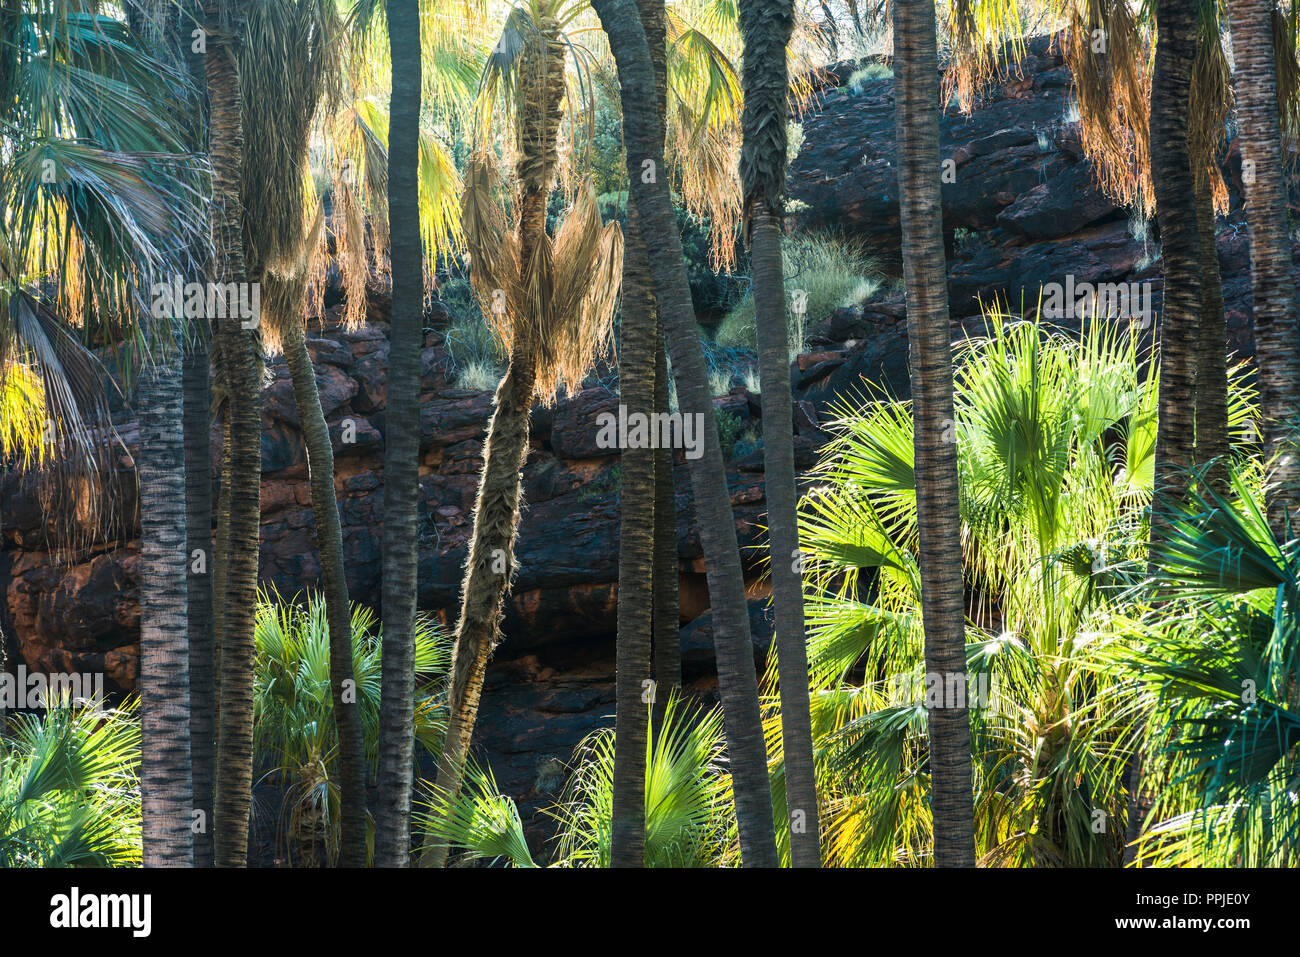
(65, 608)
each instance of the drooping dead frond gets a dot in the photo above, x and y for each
(1286, 48)
(585, 268)
(559, 312)
(986, 38)
(1209, 104)
(1110, 58)
(493, 249)
(288, 64)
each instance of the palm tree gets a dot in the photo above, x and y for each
(549, 300)
(767, 28)
(280, 102)
(117, 214)
(643, 136)
(640, 554)
(241, 359)
(1180, 249)
(1277, 350)
(937, 503)
(402, 442)
(1053, 533)
(1113, 87)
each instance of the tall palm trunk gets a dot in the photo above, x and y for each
(490, 566)
(241, 354)
(916, 93)
(643, 137)
(488, 571)
(329, 540)
(635, 559)
(1211, 388)
(1277, 350)
(195, 375)
(402, 444)
(1180, 245)
(767, 26)
(166, 789)
(641, 488)
(665, 576)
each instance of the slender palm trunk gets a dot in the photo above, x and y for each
(916, 92)
(643, 137)
(1277, 349)
(166, 789)
(197, 391)
(402, 444)
(767, 26)
(1211, 388)
(1180, 245)
(242, 354)
(664, 575)
(489, 569)
(635, 560)
(329, 541)
(666, 578)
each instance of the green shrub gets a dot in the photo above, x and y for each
(730, 427)
(689, 821)
(69, 791)
(829, 270)
(293, 710)
(872, 71)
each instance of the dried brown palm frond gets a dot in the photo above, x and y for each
(278, 107)
(1286, 46)
(1209, 104)
(986, 38)
(559, 311)
(1109, 55)
(585, 269)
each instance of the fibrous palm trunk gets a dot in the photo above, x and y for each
(241, 354)
(329, 540)
(635, 561)
(930, 356)
(664, 574)
(1211, 388)
(166, 789)
(643, 137)
(1180, 244)
(767, 26)
(489, 568)
(1277, 348)
(402, 444)
(196, 386)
